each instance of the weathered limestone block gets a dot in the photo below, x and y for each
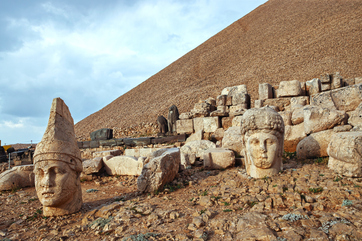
(300, 100)
(198, 124)
(221, 100)
(281, 103)
(313, 86)
(17, 177)
(233, 139)
(258, 103)
(355, 118)
(206, 124)
(265, 91)
(241, 99)
(211, 124)
(318, 119)
(159, 169)
(123, 165)
(343, 128)
(201, 109)
(325, 78)
(346, 98)
(358, 80)
(135, 152)
(218, 135)
(211, 101)
(345, 154)
(107, 153)
(197, 136)
(293, 135)
(287, 117)
(237, 121)
(348, 82)
(145, 152)
(185, 116)
(337, 81)
(236, 90)
(325, 87)
(289, 89)
(298, 116)
(59, 191)
(229, 100)
(314, 145)
(226, 122)
(192, 150)
(218, 158)
(263, 132)
(92, 166)
(222, 110)
(237, 110)
(184, 126)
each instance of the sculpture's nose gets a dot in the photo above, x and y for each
(45, 181)
(263, 146)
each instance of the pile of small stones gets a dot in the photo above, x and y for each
(303, 202)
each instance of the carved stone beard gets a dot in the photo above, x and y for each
(58, 188)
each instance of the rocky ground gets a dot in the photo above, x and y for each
(306, 201)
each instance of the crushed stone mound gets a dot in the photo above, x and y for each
(280, 40)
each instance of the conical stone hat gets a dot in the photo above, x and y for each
(58, 142)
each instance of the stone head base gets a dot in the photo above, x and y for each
(72, 206)
(256, 172)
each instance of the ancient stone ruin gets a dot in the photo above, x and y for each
(58, 164)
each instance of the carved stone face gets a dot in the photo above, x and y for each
(262, 149)
(55, 183)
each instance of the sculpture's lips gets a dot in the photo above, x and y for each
(47, 194)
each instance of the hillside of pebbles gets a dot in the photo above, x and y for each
(280, 40)
(306, 201)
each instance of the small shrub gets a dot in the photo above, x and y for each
(203, 211)
(91, 190)
(251, 204)
(337, 179)
(226, 203)
(216, 198)
(294, 217)
(316, 190)
(346, 203)
(204, 193)
(227, 210)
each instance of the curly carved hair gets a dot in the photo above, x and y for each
(262, 119)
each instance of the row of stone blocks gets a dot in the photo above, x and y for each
(295, 88)
(142, 141)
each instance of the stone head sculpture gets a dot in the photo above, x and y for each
(263, 136)
(57, 164)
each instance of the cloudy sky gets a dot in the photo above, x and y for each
(89, 52)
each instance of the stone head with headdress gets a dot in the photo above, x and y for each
(263, 135)
(58, 164)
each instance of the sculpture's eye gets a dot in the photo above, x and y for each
(254, 141)
(57, 170)
(269, 142)
(39, 172)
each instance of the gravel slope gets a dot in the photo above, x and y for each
(279, 40)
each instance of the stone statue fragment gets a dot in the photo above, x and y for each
(173, 116)
(263, 136)
(57, 164)
(162, 125)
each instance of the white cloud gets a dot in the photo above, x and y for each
(89, 52)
